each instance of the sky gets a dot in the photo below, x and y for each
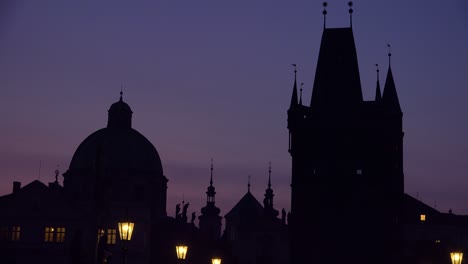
(213, 79)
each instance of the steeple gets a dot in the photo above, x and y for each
(378, 94)
(209, 220)
(294, 94)
(300, 94)
(268, 200)
(390, 96)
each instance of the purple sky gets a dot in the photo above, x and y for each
(211, 79)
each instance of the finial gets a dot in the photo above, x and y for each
(121, 92)
(324, 13)
(295, 69)
(350, 4)
(377, 66)
(211, 177)
(269, 175)
(248, 184)
(300, 94)
(389, 54)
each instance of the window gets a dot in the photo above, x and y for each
(15, 233)
(60, 238)
(437, 241)
(52, 234)
(10, 233)
(111, 236)
(49, 234)
(422, 218)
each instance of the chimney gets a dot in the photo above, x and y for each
(16, 186)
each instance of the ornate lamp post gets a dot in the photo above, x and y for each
(125, 231)
(216, 260)
(181, 251)
(456, 257)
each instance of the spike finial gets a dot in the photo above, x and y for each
(350, 4)
(377, 66)
(295, 69)
(248, 184)
(389, 54)
(121, 92)
(211, 174)
(269, 175)
(57, 173)
(300, 94)
(324, 13)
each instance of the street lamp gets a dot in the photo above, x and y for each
(125, 231)
(456, 257)
(216, 260)
(181, 251)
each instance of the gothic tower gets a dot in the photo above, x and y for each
(347, 163)
(210, 221)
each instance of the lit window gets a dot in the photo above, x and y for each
(100, 233)
(60, 238)
(49, 234)
(15, 233)
(359, 171)
(422, 218)
(111, 236)
(437, 241)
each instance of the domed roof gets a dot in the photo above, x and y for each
(117, 149)
(118, 146)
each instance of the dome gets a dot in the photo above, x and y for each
(118, 146)
(117, 149)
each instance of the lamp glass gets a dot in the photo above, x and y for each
(126, 230)
(216, 260)
(456, 257)
(181, 251)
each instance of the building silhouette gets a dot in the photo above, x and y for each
(348, 203)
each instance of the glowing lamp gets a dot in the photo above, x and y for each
(181, 251)
(216, 260)
(456, 257)
(126, 230)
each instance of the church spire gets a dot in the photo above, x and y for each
(294, 94)
(268, 200)
(300, 95)
(210, 193)
(390, 96)
(378, 94)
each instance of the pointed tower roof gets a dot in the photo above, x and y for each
(268, 200)
(294, 93)
(337, 82)
(390, 96)
(378, 94)
(210, 208)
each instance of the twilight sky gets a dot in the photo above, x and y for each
(213, 79)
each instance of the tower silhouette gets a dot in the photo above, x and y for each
(347, 163)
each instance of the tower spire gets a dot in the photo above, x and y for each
(350, 4)
(390, 96)
(248, 184)
(121, 93)
(378, 94)
(324, 13)
(294, 94)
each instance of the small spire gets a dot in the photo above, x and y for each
(324, 13)
(248, 184)
(211, 176)
(378, 94)
(389, 55)
(121, 92)
(300, 94)
(350, 4)
(294, 94)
